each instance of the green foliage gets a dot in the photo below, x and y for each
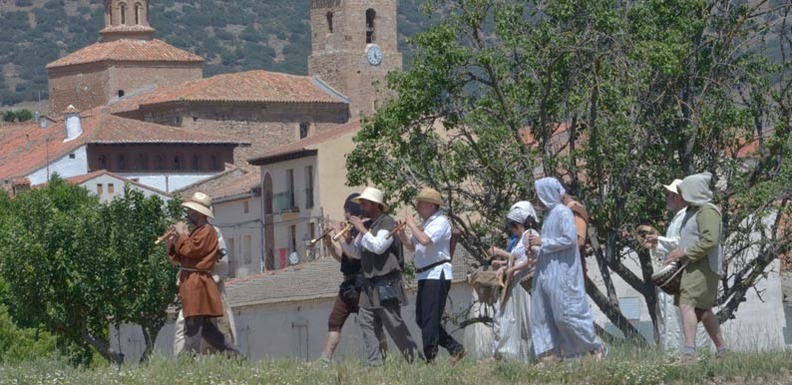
(17, 116)
(613, 97)
(623, 367)
(23, 344)
(73, 264)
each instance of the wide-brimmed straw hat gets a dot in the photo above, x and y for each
(372, 194)
(429, 195)
(673, 186)
(200, 203)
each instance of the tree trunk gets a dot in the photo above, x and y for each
(103, 347)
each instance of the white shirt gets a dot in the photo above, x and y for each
(519, 249)
(670, 242)
(438, 229)
(376, 244)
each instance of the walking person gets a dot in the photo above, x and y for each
(561, 321)
(382, 262)
(431, 242)
(700, 246)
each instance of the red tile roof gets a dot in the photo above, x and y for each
(306, 144)
(30, 147)
(127, 50)
(232, 182)
(244, 87)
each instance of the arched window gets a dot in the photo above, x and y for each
(370, 16)
(110, 15)
(330, 21)
(123, 14)
(138, 11)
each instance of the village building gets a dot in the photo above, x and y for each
(108, 186)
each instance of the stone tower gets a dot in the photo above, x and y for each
(126, 61)
(354, 45)
(126, 19)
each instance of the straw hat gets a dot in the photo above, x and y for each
(372, 194)
(429, 195)
(200, 203)
(673, 186)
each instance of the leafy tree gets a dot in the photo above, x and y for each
(73, 264)
(9, 116)
(613, 97)
(24, 115)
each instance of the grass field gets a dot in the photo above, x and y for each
(624, 366)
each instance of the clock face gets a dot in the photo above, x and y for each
(374, 54)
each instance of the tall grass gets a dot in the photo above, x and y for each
(624, 366)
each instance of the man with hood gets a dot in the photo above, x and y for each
(700, 245)
(561, 321)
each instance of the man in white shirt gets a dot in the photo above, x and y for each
(382, 262)
(431, 242)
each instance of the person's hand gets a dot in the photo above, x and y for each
(181, 228)
(534, 240)
(410, 221)
(499, 273)
(531, 264)
(674, 256)
(358, 223)
(498, 262)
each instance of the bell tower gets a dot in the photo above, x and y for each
(353, 47)
(126, 19)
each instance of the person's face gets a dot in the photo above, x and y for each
(347, 214)
(515, 228)
(674, 202)
(369, 209)
(426, 209)
(193, 216)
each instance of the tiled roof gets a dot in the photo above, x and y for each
(29, 147)
(232, 182)
(80, 179)
(306, 144)
(243, 87)
(312, 280)
(127, 50)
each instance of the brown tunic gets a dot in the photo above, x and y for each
(581, 223)
(197, 289)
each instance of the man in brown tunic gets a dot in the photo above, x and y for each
(196, 252)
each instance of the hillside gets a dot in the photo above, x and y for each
(232, 36)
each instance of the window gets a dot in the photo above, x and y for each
(330, 21)
(72, 156)
(99, 189)
(304, 127)
(213, 163)
(246, 207)
(312, 230)
(309, 187)
(102, 162)
(230, 245)
(137, 13)
(370, 16)
(293, 238)
(247, 249)
(121, 93)
(123, 14)
(290, 192)
(177, 163)
(121, 162)
(160, 163)
(196, 163)
(143, 162)
(630, 307)
(110, 188)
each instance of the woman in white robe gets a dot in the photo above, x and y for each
(511, 324)
(562, 325)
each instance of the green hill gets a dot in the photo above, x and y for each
(232, 36)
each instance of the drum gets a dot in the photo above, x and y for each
(669, 278)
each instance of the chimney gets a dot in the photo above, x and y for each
(72, 123)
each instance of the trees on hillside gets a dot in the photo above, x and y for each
(613, 97)
(74, 266)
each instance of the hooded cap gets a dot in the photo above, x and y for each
(695, 189)
(520, 211)
(351, 206)
(550, 191)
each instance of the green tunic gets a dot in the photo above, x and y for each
(699, 283)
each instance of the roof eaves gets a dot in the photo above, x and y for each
(284, 156)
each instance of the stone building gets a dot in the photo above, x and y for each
(353, 47)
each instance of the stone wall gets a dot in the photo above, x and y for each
(83, 87)
(135, 78)
(264, 126)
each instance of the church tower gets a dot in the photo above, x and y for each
(354, 46)
(126, 19)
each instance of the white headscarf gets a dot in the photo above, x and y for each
(520, 211)
(695, 189)
(550, 191)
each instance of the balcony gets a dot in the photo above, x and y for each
(284, 202)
